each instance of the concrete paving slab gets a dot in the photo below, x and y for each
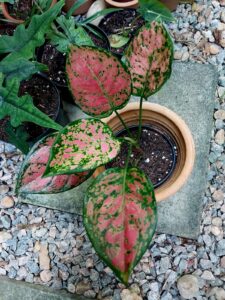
(190, 92)
(20, 290)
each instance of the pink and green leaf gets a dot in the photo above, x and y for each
(98, 81)
(120, 218)
(149, 59)
(81, 146)
(30, 179)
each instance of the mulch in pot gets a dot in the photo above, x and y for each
(124, 22)
(21, 9)
(157, 157)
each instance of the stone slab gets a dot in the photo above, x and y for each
(19, 290)
(190, 92)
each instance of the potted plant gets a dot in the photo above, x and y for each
(17, 11)
(120, 212)
(121, 26)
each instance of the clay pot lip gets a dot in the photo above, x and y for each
(188, 140)
(10, 18)
(122, 4)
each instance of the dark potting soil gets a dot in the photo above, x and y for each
(7, 29)
(157, 157)
(3, 124)
(56, 62)
(45, 98)
(125, 22)
(21, 9)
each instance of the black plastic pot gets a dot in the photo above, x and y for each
(167, 138)
(58, 117)
(121, 20)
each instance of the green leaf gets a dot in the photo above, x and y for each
(98, 14)
(149, 59)
(30, 179)
(74, 7)
(21, 109)
(8, 1)
(25, 40)
(82, 145)
(18, 137)
(72, 35)
(117, 41)
(155, 10)
(120, 217)
(20, 68)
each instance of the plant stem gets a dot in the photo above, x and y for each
(123, 123)
(128, 156)
(140, 118)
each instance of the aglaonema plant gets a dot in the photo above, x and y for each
(120, 212)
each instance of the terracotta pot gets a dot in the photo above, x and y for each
(164, 118)
(81, 10)
(171, 4)
(122, 3)
(4, 8)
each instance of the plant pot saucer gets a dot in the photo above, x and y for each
(165, 118)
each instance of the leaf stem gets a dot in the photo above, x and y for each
(140, 118)
(123, 123)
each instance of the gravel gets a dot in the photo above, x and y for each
(49, 247)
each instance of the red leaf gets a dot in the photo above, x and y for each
(30, 177)
(98, 80)
(120, 218)
(149, 59)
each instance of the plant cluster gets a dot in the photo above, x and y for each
(120, 213)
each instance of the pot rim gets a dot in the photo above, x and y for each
(9, 17)
(122, 4)
(188, 140)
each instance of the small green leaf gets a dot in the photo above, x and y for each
(18, 137)
(21, 109)
(117, 41)
(20, 68)
(7, 1)
(120, 218)
(71, 35)
(154, 10)
(25, 40)
(82, 145)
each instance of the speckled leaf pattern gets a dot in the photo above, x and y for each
(149, 59)
(82, 145)
(120, 218)
(30, 176)
(98, 80)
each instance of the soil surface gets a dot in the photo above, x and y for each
(99, 42)
(56, 62)
(158, 157)
(21, 9)
(7, 29)
(124, 22)
(45, 98)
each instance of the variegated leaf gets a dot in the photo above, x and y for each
(120, 218)
(149, 59)
(30, 176)
(98, 80)
(82, 145)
